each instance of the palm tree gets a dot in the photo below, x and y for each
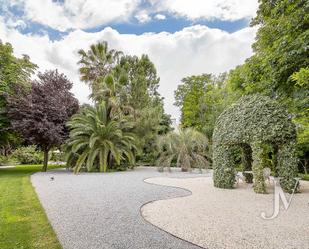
(94, 136)
(110, 91)
(97, 63)
(188, 148)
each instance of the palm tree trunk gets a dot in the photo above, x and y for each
(103, 161)
(110, 160)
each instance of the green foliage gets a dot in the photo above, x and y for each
(279, 66)
(301, 110)
(201, 98)
(96, 137)
(254, 118)
(96, 64)
(140, 82)
(40, 115)
(128, 85)
(57, 156)
(28, 155)
(23, 222)
(188, 148)
(282, 41)
(257, 168)
(188, 97)
(287, 167)
(14, 72)
(253, 121)
(301, 77)
(304, 177)
(224, 166)
(5, 160)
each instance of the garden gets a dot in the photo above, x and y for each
(117, 173)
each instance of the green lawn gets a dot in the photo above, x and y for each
(23, 223)
(304, 177)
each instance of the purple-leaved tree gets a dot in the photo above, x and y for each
(40, 115)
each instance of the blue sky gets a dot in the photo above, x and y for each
(200, 36)
(170, 24)
(132, 25)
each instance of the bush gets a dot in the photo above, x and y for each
(259, 125)
(28, 155)
(57, 156)
(6, 160)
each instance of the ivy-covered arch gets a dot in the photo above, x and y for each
(250, 123)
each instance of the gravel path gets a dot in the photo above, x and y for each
(93, 210)
(230, 219)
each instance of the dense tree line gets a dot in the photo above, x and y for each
(279, 68)
(121, 125)
(32, 111)
(128, 114)
(13, 72)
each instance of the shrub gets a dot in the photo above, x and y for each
(6, 160)
(28, 155)
(57, 156)
(186, 148)
(258, 125)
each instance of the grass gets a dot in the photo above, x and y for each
(23, 222)
(304, 177)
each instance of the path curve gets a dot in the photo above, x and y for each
(94, 210)
(224, 218)
(189, 192)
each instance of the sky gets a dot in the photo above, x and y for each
(181, 37)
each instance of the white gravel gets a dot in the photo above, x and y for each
(94, 210)
(224, 218)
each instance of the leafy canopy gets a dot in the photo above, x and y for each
(188, 148)
(40, 115)
(94, 136)
(14, 72)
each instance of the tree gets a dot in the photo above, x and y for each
(97, 63)
(188, 97)
(201, 99)
(281, 51)
(301, 117)
(188, 148)
(141, 82)
(13, 72)
(128, 86)
(140, 92)
(94, 136)
(41, 114)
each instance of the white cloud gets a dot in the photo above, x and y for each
(143, 17)
(75, 14)
(193, 50)
(228, 10)
(160, 17)
(16, 23)
(84, 14)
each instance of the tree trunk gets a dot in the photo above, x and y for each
(305, 167)
(44, 169)
(110, 160)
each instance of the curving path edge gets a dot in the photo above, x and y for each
(93, 210)
(224, 218)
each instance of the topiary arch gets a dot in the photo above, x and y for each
(249, 124)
